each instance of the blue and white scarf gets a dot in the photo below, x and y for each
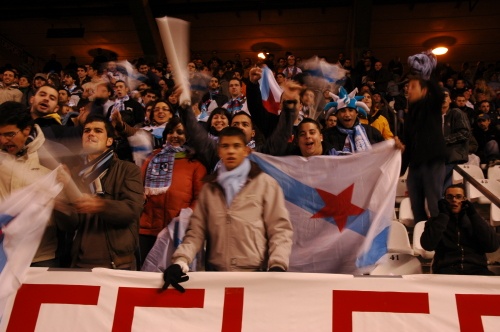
(120, 103)
(160, 169)
(232, 181)
(94, 171)
(355, 141)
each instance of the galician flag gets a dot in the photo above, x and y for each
(23, 217)
(341, 207)
(270, 91)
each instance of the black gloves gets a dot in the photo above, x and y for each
(173, 275)
(444, 206)
(469, 208)
(276, 269)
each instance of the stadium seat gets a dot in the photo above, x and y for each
(472, 170)
(494, 173)
(494, 215)
(405, 213)
(399, 259)
(481, 199)
(417, 247)
(398, 239)
(471, 192)
(398, 264)
(401, 188)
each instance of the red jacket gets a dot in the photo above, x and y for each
(159, 210)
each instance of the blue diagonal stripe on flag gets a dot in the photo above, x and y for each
(341, 207)
(293, 189)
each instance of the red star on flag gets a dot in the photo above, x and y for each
(338, 206)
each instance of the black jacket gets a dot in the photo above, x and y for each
(336, 139)
(459, 241)
(423, 133)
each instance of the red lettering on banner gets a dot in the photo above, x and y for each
(129, 298)
(471, 307)
(346, 302)
(232, 317)
(30, 297)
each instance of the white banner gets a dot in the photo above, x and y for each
(109, 300)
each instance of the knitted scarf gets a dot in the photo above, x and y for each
(236, 104)
(355, 141)
(120, 103)
(232, 181)
(94, 171)
(160, 169)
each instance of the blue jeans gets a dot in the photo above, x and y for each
(425, 181)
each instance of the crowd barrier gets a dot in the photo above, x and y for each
(111, 300)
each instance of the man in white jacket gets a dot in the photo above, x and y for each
(241, 213)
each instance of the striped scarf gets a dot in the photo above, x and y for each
(94, 171)
(160, 169)
(355, 141)
(236, 104)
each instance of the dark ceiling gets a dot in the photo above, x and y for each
(39, 28)
(10, 9)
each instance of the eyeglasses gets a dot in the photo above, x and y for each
(10, 135)
(450, 197)
(178, 132)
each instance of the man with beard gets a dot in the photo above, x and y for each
(44, 106)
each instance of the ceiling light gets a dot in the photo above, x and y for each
(440, 50)
(440, 44)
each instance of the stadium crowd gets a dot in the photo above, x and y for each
(84, 116)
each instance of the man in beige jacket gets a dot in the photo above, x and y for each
(241, 213)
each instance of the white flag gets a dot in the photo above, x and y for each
(23, 218)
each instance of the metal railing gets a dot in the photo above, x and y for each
(482, 189)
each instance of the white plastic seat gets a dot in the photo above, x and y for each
(494, 173)
(417, 247)
(494, 188)
(398, 264)
(401, 189)
(399, 259)
(405, 213)
(398, 241)
(471, 192)
(494, 215)
(472, 170)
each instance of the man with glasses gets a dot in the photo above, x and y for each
(459, 236)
